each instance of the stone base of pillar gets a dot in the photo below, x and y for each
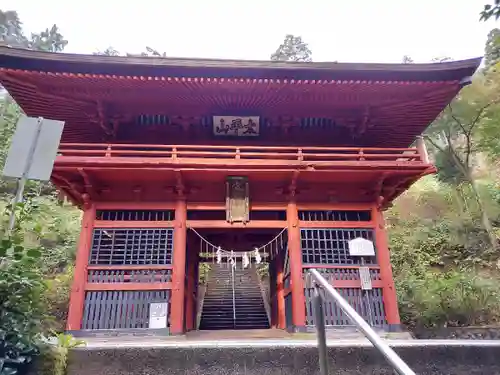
(394, 328)
(296, 329)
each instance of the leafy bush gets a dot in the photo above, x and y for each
(452, 298)
(57, 299)
(32, 287)
(16, 357)
(444, 269)
(54, 358)
(22, 306)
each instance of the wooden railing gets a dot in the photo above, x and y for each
(278, 153)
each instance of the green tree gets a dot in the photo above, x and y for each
(448, 172)
(11, 31)
(110, 51)
(293, 48)
(407, 60)
(456, 135)
(149, 52)
(441, 59)
(50, 40)
(491, 11)
(492, 50)
(490, 129)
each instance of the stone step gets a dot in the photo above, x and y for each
(244, 292)
(229, 301)
(230, 291)
(229, 317)
(229, 320)
(237, 307)
(229, 325)
(230, 298)
(230, 307)
(243, 313)
(239, 312)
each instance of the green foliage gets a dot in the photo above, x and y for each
(11, 33)
(150, 52)
(444, 268)
(57, 299)
(491, 11)
(50, 40)
(21, 304)
(448, 171)
(110, 51)
(487, 135)
(462, 131)
(54, 359)
(407, 60)
(68, 341)
(292, 49)
(450, 298)
(16, 356)
(51, 361)
(263, 270)
(204, 272)
(492, 49)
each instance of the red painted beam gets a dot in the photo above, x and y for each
(127, 286)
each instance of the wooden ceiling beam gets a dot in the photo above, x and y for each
(88, 183)
(70, 188)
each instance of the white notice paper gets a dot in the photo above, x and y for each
(158, 315)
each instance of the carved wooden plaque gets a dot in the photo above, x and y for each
(237, 200)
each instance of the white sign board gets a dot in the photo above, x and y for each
(236, 126)
(366, 280)
(158, 315)
(33, 148)
(361, 247)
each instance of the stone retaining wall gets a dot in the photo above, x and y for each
(463, 333)
(424, 360)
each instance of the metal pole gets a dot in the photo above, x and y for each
(21, 183)
(233, 265)
(390, 355)
(319, 318)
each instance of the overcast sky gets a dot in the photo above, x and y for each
(336, 30)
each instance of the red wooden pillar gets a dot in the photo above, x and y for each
(280, 292)
(296, 280)
(179, 272)
(384, 259)
(77, 297)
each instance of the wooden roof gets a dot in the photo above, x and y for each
(376, 99)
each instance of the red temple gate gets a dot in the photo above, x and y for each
(317, 149)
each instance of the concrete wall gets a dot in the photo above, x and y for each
(425, 360)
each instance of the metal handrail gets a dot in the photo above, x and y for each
(390, 355)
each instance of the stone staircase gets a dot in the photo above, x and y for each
(217, 313)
